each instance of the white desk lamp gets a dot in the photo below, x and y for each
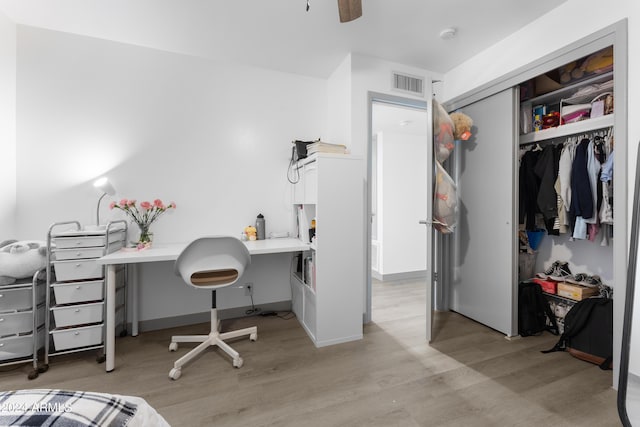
(105, 186)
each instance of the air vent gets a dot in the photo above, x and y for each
(406, 83)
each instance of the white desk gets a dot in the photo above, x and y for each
(166, 252)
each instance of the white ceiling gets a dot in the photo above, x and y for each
(281, 35)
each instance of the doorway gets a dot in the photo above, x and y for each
(399, 176)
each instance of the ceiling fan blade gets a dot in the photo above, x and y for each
(349, 10)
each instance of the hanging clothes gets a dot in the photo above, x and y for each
(546, 169)
(564, 182)
(606, 174)
(581, 195)
(529, 184)
(593, 172)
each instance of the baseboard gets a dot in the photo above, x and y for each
(408, 275)
(205, 317)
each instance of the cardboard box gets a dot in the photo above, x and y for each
(576, 292)
(546, 83)
(547, 285)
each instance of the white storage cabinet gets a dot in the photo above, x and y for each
(75, 295)
(328, 284)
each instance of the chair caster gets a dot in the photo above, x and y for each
(33, 374)
(175, 373)
(173, 346)
(237, 363)
(101, 358)
(253, 337)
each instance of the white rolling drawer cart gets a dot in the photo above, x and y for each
(22, 313)
(75, 293)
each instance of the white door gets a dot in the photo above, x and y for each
(483, 285)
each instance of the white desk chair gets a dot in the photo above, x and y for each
(211, 263)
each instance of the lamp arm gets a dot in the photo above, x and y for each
(98, 209)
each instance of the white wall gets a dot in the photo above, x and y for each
(402, 202)
(214, 138)
(524, 47)
(374, 75)
(8, 131)
(577, 253)
(338, 104)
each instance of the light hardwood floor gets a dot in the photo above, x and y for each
(469, 376)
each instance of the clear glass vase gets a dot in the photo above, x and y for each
(146, 237)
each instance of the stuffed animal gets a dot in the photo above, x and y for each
(21, 259)
(461, 126)
(251, 232)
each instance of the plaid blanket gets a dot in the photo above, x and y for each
(63, 408)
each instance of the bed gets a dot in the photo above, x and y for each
(44, 407)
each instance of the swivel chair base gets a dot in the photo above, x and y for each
(215, 338)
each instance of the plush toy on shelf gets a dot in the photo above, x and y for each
(461, 126)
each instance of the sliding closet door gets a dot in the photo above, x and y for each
(484, 280)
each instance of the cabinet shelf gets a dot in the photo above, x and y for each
(568, 129)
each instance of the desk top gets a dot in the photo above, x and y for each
(170, 251)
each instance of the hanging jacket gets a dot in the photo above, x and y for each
(564, 172)
(529, 184)
(593, 170)
(546, 170)
(581, 195)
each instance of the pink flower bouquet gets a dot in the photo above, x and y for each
(144, 215)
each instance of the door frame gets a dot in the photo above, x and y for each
(420, 104)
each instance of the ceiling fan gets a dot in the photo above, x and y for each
(348, 9)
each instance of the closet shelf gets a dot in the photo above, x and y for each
(568, 91)
(568, 129)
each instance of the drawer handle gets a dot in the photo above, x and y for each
(79, 254)
(78, 265)
(1, 344)
(1, 319)
(76, 333)
(1, 295)
(78, 287)
(77, 310)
